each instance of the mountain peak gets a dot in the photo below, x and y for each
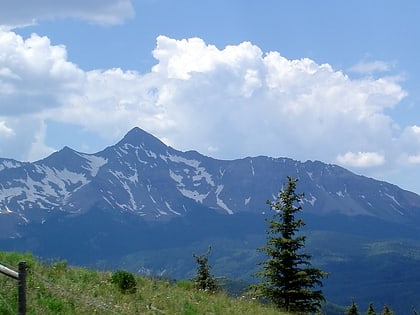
(139, 137)
(136, 131)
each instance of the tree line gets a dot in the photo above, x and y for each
(353, 309)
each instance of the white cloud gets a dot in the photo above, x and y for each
(370, 67)
(415, 130)
(24, 138)
(225, 102)
(409, 146)
(244, 102)
(361, 159)
(15, 13)
(414, 159)
(5, 131)
(38, 148)
(34, 75)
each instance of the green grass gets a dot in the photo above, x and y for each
(57, 288)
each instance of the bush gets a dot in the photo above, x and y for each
(125, 281)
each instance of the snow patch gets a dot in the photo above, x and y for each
(150, 154)
(195, 195)
(131, 197)
(252, 168)
(153, 199)
(393, 199)
(9, 164)
(6, 210)
(312, 200)
(401, 213)
(339, 193)
(177, 178)
(52, 190)
(220, 202)
(199, 171)
(95, 163)
(170, 208)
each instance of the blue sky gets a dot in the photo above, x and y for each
(336, 81)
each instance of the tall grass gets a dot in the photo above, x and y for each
(61, 289)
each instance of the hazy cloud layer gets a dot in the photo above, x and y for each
(16, 13)
(226, 103)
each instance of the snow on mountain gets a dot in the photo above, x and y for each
(9, 163)
(142, 176)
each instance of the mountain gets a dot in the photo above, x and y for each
(146, 206)
(142, 176)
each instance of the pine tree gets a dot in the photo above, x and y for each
(371, 310)
(387, 311)
(289, 281)
(352, 309)
(203, 279)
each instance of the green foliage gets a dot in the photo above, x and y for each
(125, 281)
(289, 281)
(352, 309)
(203, 279)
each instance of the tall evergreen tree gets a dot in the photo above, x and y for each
(288, 279)
(352, 309)
(387, 311)
(370, 310)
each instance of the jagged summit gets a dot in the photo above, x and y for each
(138, 137)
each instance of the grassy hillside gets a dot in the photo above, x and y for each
(60, 289)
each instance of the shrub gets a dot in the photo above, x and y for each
(125, 281)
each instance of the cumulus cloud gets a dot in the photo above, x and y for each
(242, 101)
(361, 159)
(15, 13)
(34, 74)
(226, 102)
